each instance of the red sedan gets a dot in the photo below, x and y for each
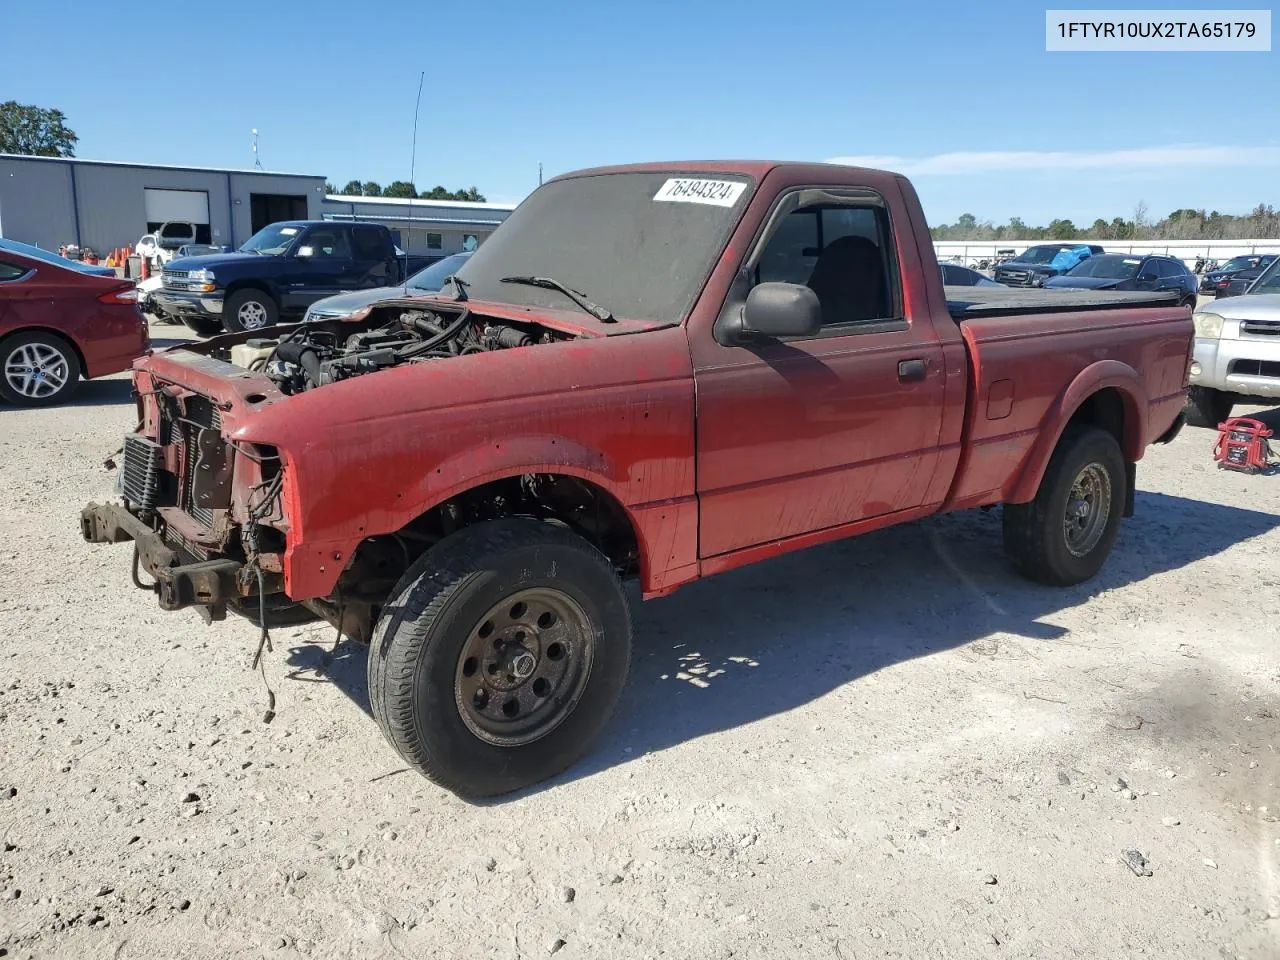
(60, 321)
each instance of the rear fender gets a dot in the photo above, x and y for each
(1097, 376)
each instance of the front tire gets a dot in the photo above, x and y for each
(37, 369)
(1065, 534)
(1207, 407)
(500, 656)
(249, 310)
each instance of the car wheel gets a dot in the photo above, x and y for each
(203, 326)
(1064, 535)
(37, 369)
(249, 310)
(500, 656)
(1207, 407)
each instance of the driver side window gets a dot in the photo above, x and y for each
(843, 251)
(329, 243)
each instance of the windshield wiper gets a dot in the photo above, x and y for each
(459, 283)
(547, 283)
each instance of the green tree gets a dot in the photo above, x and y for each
(329, 188)
(435, 193)
(370, 189)
(354, 188)
(1100, 230)
(1062, 230)
(35, 131)
(1121, 229)
(400, 188)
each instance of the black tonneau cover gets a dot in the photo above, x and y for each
(965, 303)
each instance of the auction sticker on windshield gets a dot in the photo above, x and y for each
(718, 193)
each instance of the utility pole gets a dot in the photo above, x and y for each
(539, 173)
(257, 160)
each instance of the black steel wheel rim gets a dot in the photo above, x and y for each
(1088, 509)
(524, 666)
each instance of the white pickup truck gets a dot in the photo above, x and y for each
(1237, 351)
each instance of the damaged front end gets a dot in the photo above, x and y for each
(208, 512)
(205, 513)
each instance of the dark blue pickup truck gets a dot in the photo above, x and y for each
(279, 272)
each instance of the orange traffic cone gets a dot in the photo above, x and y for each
(146, 269)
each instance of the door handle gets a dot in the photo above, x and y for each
(911, 371)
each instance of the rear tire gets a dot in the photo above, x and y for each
(500, 656)
(203, 326)
(1064, 535)
(37, 369)
(1207, 407)
(249, 310)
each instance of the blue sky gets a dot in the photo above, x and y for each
(963, 98)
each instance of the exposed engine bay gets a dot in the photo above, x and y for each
(317, 354)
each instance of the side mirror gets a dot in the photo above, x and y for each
(777, 310)
(305, 252)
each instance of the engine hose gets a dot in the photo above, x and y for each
(448, 333)
(304, 355)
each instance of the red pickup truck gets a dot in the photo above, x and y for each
(657, 372)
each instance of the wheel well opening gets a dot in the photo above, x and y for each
(56, 334)
(1105, 410)
(581, 506)
(237, 285)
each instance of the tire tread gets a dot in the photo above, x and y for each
(419, 598)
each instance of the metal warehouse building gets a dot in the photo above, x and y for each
(423, 226)
(50, 201)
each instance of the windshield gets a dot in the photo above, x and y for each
(48, 256)
(272, 240)
(1269, 281)
(1239, 263)
(1108, 267)
(1038, 254)
(432, 278)
(639, 244)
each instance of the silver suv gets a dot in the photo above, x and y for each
(1237, 351)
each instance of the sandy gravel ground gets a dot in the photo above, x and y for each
(890, 747)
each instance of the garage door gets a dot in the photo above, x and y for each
(189, 205)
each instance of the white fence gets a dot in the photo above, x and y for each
(969, 251)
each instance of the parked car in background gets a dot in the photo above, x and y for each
(1242, 281)
(1118, 271)
(59, 323)
(279, 272)
(39, 253)
(1037, 264)
(954, 275)
(345, 305)
(1213, 280)
(196, 250)
(162, 246)
(1237, 352)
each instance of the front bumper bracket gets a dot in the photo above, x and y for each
(208, 584)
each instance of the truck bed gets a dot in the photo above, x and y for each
(966, 303)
